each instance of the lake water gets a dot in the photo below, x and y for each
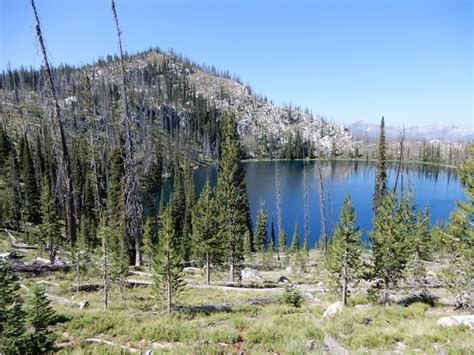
(436, 187)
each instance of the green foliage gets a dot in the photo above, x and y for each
(291, 296)
(208, 246)
(381, 179)
(282, 246)
(31, 191)
(390, 238)
(295, 241)
(40, 316)
(167, 268)
(12, 317)
(231, 196)
(261, 236)
(50, 227)
(149, 240)
(459, 239)
(343, 259)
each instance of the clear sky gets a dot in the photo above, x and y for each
(411, 61)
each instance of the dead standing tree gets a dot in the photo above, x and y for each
(63, 156)
(133, 206)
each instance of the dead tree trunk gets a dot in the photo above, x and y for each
(278, 205)
(133, 207)
(64, 159)
(322, 205)
(400, 162)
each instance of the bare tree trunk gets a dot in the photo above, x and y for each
(105, 271)
(322, 205)
(344, 278)
(133, 207)
(278, 205)
(208, 270)
(64, 159)
(231, 270)
(400, 162)
(307, 229)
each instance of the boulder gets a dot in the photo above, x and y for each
(452, 321)
(249, 274)
(333, 309)
(308, 297)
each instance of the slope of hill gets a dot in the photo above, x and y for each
(184, 100)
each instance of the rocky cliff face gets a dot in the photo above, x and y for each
(258, 120)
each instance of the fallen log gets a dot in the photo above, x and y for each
(17, 245)
(36, 268)
(135, 282)
(87, 288)
(107, 342)
(61, 300)
(140, 273)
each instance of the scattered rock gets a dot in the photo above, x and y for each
(333, 309)
(249, 274)
(290, 270)
(452, 321)
(311, 345)
(84, 304)
(362, 306)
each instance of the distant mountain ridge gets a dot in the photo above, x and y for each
(441, 132)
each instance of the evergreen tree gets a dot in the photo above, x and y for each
(459, 239)
(178, 208)
(149, 240)
(381, 182)
(343, 258)
(167, 268)
(4, 150)
(189, 202)
(282, 243)
(232, 196)
(390, 249)
(31, 191)
(41, 315)
(117, 246)
(50, 227)
(207, 239)
(104, 235)
(261, 236)
(247, 246)
(295, 241)
(12, 316)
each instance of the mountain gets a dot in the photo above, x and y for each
(441, 132)
(173, 100)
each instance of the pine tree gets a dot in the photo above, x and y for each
(31, 191)
(50, 227)
(4, 149)
(343, 258)
(178, 208)
(167, 268)
(189, 202)
(207, 239)
(459, 239)
(381, 182)
(247, 246)
(295, 241)
(261, 236)
(40, 316)
(104, 235)
(390, 249)
(117, 245)
(282, 243)
(232, 196)
(149, 240)
(12, 316)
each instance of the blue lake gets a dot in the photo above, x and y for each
(436, 187)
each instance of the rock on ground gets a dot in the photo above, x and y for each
(467, 319)
(333, 309)
(249, 274)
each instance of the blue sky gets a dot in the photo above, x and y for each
(411, 61)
